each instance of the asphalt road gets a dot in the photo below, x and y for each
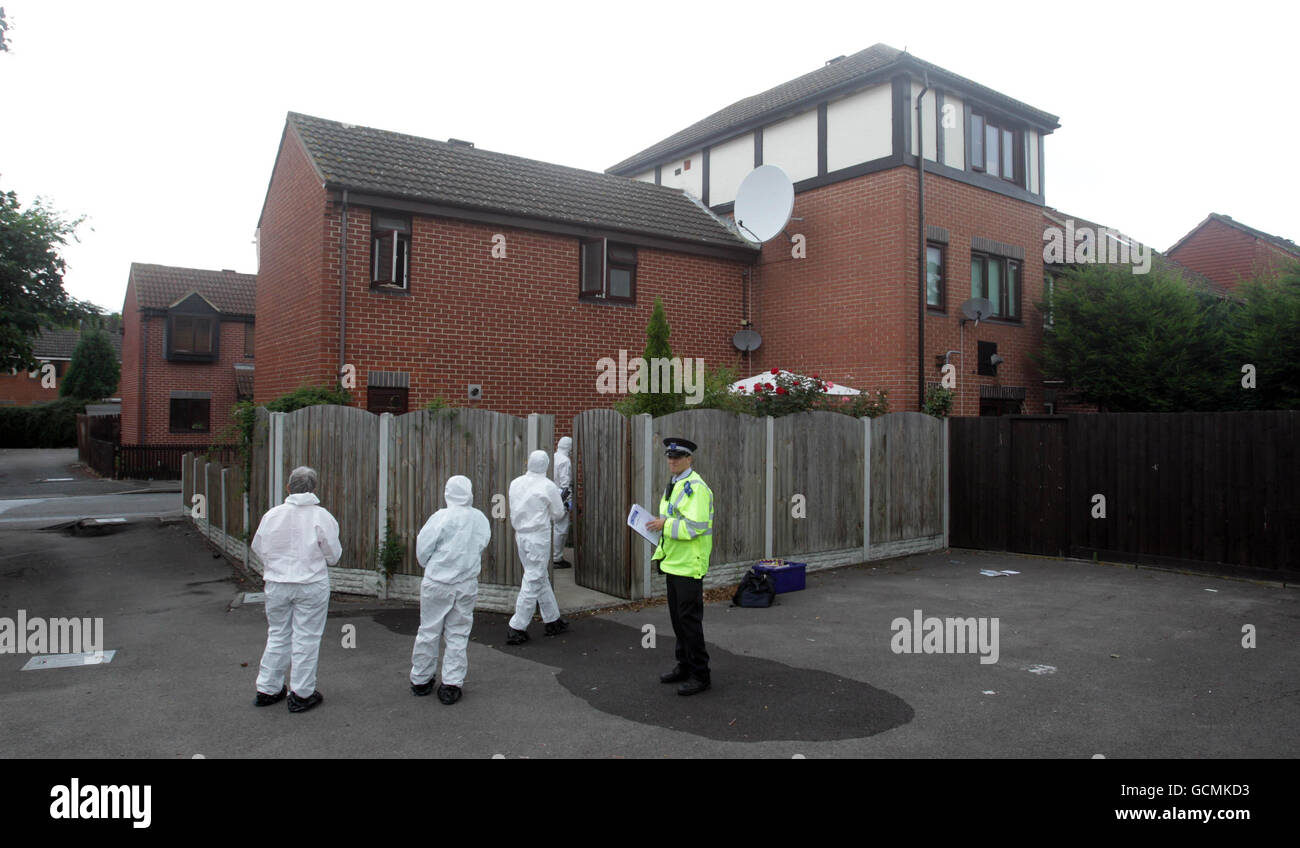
(43, 488)
(1092, 659)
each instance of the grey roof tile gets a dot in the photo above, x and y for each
(159, 286)
(404, 166)
(60, 343)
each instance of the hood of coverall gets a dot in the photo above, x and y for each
(459, 491)
(538, 462)
(565, 445)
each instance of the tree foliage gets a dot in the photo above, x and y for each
(1265, 333)
(4, 29)
(94, 370)
(31, 278)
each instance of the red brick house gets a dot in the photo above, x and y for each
(475, 277)
(1228, 252)
(851, 309)
(187, 353)
(54, 347)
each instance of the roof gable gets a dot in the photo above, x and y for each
(1227, 220)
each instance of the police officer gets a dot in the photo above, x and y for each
(686, 519)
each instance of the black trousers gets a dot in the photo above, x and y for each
(686, 608)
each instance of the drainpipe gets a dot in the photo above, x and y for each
(343, 291)
(920, 304)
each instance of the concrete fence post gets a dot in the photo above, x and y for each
(385, 421)
(647, 493)
(277, 459)
(225, 520)
(866, 489)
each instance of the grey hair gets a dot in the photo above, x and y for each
(302, 480)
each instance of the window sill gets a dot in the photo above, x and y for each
(605, 301)
(390, 289)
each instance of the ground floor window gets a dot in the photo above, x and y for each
(190, 413)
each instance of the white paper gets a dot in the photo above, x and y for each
(637, 518)
(988, 572)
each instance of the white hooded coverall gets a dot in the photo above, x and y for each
(296, 541)
(563, 480)
(450, 547)
(534, 504)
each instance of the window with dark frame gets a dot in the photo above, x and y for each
(935, 278)
(190, 415)
(996, 279)
(390, 250)
(997, 149)
(607, 271)
(192, 335)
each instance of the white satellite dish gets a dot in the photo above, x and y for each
(977, 308)
(764, 202)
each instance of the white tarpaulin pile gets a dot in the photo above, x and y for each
(747, 385)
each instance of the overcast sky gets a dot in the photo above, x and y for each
(160, 121)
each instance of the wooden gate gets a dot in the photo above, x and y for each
(1008, 483)
(602, 471)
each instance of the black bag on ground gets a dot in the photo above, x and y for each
(755, 590)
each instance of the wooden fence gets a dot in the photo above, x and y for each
(1178, 489)
(820, 487)
(213, 496)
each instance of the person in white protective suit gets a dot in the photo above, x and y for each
(450, 547)
(563, 480)
(534, 504)
(296, 541)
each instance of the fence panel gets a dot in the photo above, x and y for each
(907, 477)
(601, 542)
(818, 455)
(425, 448)
(732, 459)
(340, 443)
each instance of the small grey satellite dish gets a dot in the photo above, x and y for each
(977, 308)
(764, 202)
(747, 340)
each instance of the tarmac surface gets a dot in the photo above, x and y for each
(1092, 659)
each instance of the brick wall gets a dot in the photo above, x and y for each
(22, 390)
(847, 312)
(129, 385)
(1227, 255)
(513, 324)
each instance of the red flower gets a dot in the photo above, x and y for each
(775, 371)
(769, 386)
(780, 390)
(742, 390)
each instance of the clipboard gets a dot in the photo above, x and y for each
(637, 517)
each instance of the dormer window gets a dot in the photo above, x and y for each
(193, 330)
(997, 149)
(390, 250)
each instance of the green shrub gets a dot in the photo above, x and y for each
(43, 425)
(938, 402)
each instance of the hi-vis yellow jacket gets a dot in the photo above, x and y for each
(687, 540)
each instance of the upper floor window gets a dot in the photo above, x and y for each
(934, 276)
(248, 341)
(608, 271)
(997, 148)
(390, 250)
(192, 337)
(997, 279)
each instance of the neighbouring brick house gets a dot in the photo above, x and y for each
(846, 135)
(54, 347)
(467, 268)
(187, 353)
(1228, 252)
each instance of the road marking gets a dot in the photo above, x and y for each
(43, 661)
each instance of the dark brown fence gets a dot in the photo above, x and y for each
(1176, 489)
(101, 456)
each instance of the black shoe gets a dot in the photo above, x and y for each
(555, 628)
(265, 700)
(562, 563)
(516, 637)
(693, 686)
(302, 705)
(448, 694)
(422, 689)
(677, 675)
